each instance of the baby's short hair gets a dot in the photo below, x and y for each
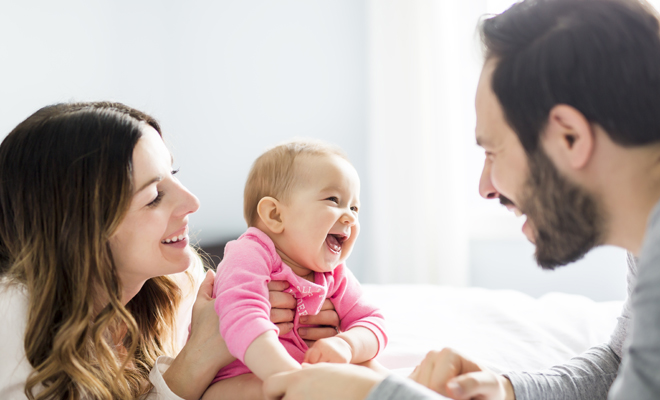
(273, 173)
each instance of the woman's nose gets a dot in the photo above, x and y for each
(189, 203)
(486, 188)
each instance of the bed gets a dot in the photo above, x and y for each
(504, 330)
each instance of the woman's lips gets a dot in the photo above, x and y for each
(180, 235)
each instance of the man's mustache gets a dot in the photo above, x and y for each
(506, 202)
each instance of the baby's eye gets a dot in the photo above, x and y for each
(333, 199)
(354, 209)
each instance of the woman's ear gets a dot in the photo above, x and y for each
(269, 210)
(568, 138)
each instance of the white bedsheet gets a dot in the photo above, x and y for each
(505, 330)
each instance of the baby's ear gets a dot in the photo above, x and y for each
(269, 212)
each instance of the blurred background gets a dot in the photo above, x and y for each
(390, 81)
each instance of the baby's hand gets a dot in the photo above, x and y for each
(332, 350)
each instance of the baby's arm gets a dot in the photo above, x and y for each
(266, 356)
(354, 346)
(243, 307)
(363, 328)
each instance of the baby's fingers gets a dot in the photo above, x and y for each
(313, 356)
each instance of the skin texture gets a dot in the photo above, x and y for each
(324, 202)
(159, 210)
(456, 377)
(564, 220)
(322, 382)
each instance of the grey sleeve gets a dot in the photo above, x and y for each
(639, 376)
(588, 376)
(395, 387)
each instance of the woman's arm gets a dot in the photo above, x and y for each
(192, 371)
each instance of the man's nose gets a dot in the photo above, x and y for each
(486, 188)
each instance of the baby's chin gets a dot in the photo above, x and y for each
(328, 267)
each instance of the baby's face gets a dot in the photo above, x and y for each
(320, 216)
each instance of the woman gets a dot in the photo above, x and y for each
(98, 278)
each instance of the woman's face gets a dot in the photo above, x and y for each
(152, 239)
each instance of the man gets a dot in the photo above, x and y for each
(568, 113)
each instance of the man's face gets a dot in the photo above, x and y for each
(563, 220)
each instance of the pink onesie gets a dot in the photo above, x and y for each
(242, 304)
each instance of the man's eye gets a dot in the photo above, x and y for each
(333, 199)
(157, 200)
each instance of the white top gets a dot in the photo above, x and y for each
(15, 368)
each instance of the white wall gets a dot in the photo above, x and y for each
(225, 78)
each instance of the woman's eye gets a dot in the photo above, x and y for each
(333, 199)
(157, 200)
(175, 171)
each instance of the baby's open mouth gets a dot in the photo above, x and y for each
(335, 242)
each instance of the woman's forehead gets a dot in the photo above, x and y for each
(151, 158)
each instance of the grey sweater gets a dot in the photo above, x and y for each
(590, 375)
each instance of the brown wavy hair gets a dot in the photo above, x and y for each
(65, 186)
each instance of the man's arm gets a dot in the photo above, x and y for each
(639, 377)
(588, 376)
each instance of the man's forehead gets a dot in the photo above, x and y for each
(487, 107)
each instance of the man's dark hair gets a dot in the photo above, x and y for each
(600, 56)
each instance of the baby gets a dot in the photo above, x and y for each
(301, 204)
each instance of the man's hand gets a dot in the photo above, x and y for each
(282, 313)
(330, 350)
(322, 382)
(456, 377)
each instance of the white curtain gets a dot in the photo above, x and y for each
(424, 61)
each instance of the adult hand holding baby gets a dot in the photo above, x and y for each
(282, 313)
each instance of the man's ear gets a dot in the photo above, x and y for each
(269, 210)
(568, 138)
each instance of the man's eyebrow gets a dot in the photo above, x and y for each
(154, 180)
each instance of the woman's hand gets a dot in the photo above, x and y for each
(282, 313)
(322, 382)
(454, 376)
(205, 352)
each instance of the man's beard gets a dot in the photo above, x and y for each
(567, 220)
